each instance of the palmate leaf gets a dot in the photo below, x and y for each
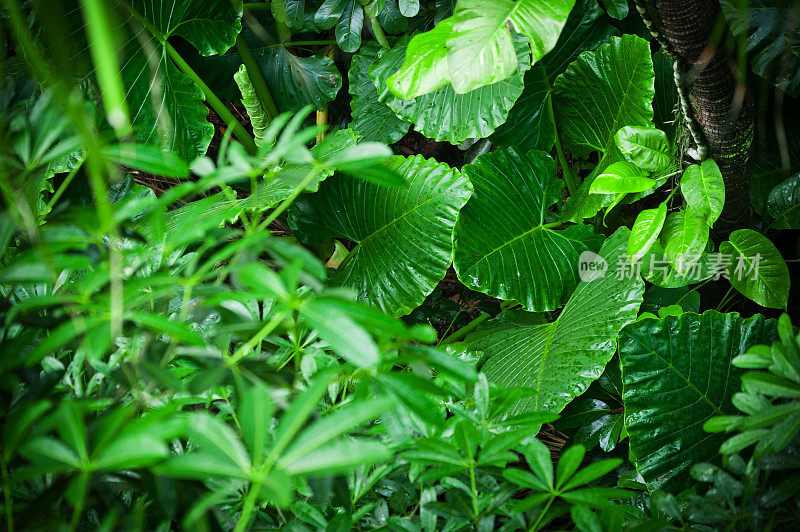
(372, 119)
(166, 106)
(600, 93)
(529, 126)
(443, 114)
(402, 236)
(677, 373)
(502, 246)
(561, 359)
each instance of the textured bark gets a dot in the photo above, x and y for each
(720, 105)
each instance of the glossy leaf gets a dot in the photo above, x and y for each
(403, 236)
(677, 373)
(480, 49)
(600, 93)
(783, 204)
(529, 125)
(560, 359)
(645, 231)
(684, 238)
(177, 118)
(646, 147)
(348, 29)
(704, 190)
(445, 115)
(372, 119)
(757, 268)
(424, 67)
(299, 81)
(617, 9)
(502, 246)
(621, 177)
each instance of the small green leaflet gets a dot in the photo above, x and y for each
(757, 268)
(645, 231)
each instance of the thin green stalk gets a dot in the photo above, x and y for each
(83, 484)
(216, 104)
(288, 201)
(466, 329)
(541, 515)
(569, 178)
(248, 346)
(256, 77)
(257, 6)
(63, 186)
(305, 43)
(473, 487)
(247, 508)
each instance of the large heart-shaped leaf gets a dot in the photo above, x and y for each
(403, 236)
(600, 93)
(373, 119)
(704, 190)
(769, 27)
(166, 106)
(757, 268)
(445, 115)
(677, 373)
(503, 245)
(298, 81)
(529, 125)
(560, 359)
(480, 49)
(783, 204)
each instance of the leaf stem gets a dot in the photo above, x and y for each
(256, 77)
(288, 201)
(377, 31)
(562, 158)
(247, 508)
(541, 515)
(466, 329)
(216, 104)
(248, 346)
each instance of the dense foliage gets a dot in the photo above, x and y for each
(389, 264)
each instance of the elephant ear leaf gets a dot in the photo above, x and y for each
(562, 358)
(684, 238)
(757, 269)
(177, 121)
(402, 237)
(646, 147)
(600, 93)
(503, 244)
(667, 399)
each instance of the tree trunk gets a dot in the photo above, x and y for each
(721, 105)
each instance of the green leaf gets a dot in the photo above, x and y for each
(348, 29)
(684, 238)
(645, 231)
(529, 125)
(502, 245)
(443, 114)
(538, 457)
(560, 359)
(646, 147)
(166, 106)
(162, 325)
(600, 93)
(768, 27)
(252, 104)
(621, 177)
(409, 8)
(783, 204)
(290, 12)
(677, 373)
(757, 269)
(617, 9)
(299, 81)
(403, 236)
(480, 49)
(704, 190)
(345, 336)
(568, 463)
(147, 159)
(339, 457)
(372, 119)
(424, 67)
